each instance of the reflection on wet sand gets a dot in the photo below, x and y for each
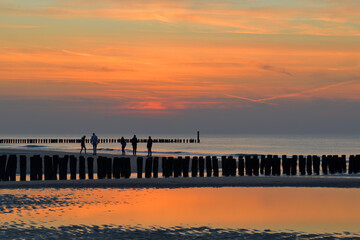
(311, 210)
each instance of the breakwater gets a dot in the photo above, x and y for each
(58, 168)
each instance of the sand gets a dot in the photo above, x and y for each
(337, 181)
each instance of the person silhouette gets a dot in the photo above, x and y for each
(83, 144)
(123, 145)
(94, 141)
(149, 146)
(134, 141)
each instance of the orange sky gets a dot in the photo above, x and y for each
(157, 56)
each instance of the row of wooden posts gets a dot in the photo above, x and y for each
(102, 140)
(55, 167)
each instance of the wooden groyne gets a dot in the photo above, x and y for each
(101, 140)
(59, 168)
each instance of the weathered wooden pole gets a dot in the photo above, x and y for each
(309, 165)
(224, 166)
(201, 166)
(127, 167)
(90, 164)
(108, 167)
(276, 165)
(11, 168)
(294, 164)
(208, 166)
(186, 166)
(177, 166)
(256, 165)
(48, 168)
(316, 164)
(262, 164)
(22, 168)
(82, 167)
(148, 167)
(100, 166)
(116, 167)
(268, 164)
(241, 166)
(156, 167)
(165, 166)
(55, 165)
(73, 163)
(248, 165)
(63, 164)
(3, 167)
(194, 167)
(215, 164)
(302, 165)
(139, 162)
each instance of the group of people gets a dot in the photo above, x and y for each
(134, 141)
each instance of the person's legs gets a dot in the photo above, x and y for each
(85, 149)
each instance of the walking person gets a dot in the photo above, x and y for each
(149, 146)
(83, 144)
(134, 141)
(94, 141)
(123, 145)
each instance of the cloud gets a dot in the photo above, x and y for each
(273, 69)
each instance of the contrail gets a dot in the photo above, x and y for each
(290, 95)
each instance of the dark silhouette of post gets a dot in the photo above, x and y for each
(90, 163)
(155, 167)
(186, 166)
(194, 167)
(82, 167)
(241, 166)
(309, 165)
(73, 163)
(201, 166)
(198, 136)
(148, 167)
(48, 168)
(55, 166)
(215, 163)
(208, 166)
(116, 167)
(63, 164)
(2, 167)
(139, 161)
(22, 168)
(302, 165)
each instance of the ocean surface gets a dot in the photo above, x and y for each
(216, 144)
(192, 213)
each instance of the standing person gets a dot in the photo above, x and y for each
(83, 144)
(149, 146)
(94, 141)
(123, 145)
(134, 141)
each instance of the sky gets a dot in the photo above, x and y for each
(178, 66)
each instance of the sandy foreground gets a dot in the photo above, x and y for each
(337, 181)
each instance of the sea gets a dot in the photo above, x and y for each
(188, 213)
(213, 145)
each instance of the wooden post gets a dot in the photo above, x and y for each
(55, 165)
(177, 166)
(22, 168)
(241, 166)
(248, 166)
(73, 163)
(3, 167)
(11, 168)
(215, 164)
(63, 164)
(108, 167)
(208, 166)
(171, 166)
(224, 166)
(127, 167)
(285, 165)
(302, 165)
(100, 165)
(116, 167)
(262, 164)
(194, 167)
(48, 167)
(165, 166)
(201, 166)
(294, 165)
(139, 161)
(268, 165)
(82, 167)
(122, 167)
(316, 164)
(343, 163)
(198, 136)
(39, 167)
(155, 167)
(148, 167)
(309, 165)
(90, 163)
(256, 165)
(276, 165)
(185, 166)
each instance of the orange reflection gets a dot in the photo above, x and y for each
(304, 209)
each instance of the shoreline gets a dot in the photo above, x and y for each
(214, 182)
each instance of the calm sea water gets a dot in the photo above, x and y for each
(193, 213)
(220, 144)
